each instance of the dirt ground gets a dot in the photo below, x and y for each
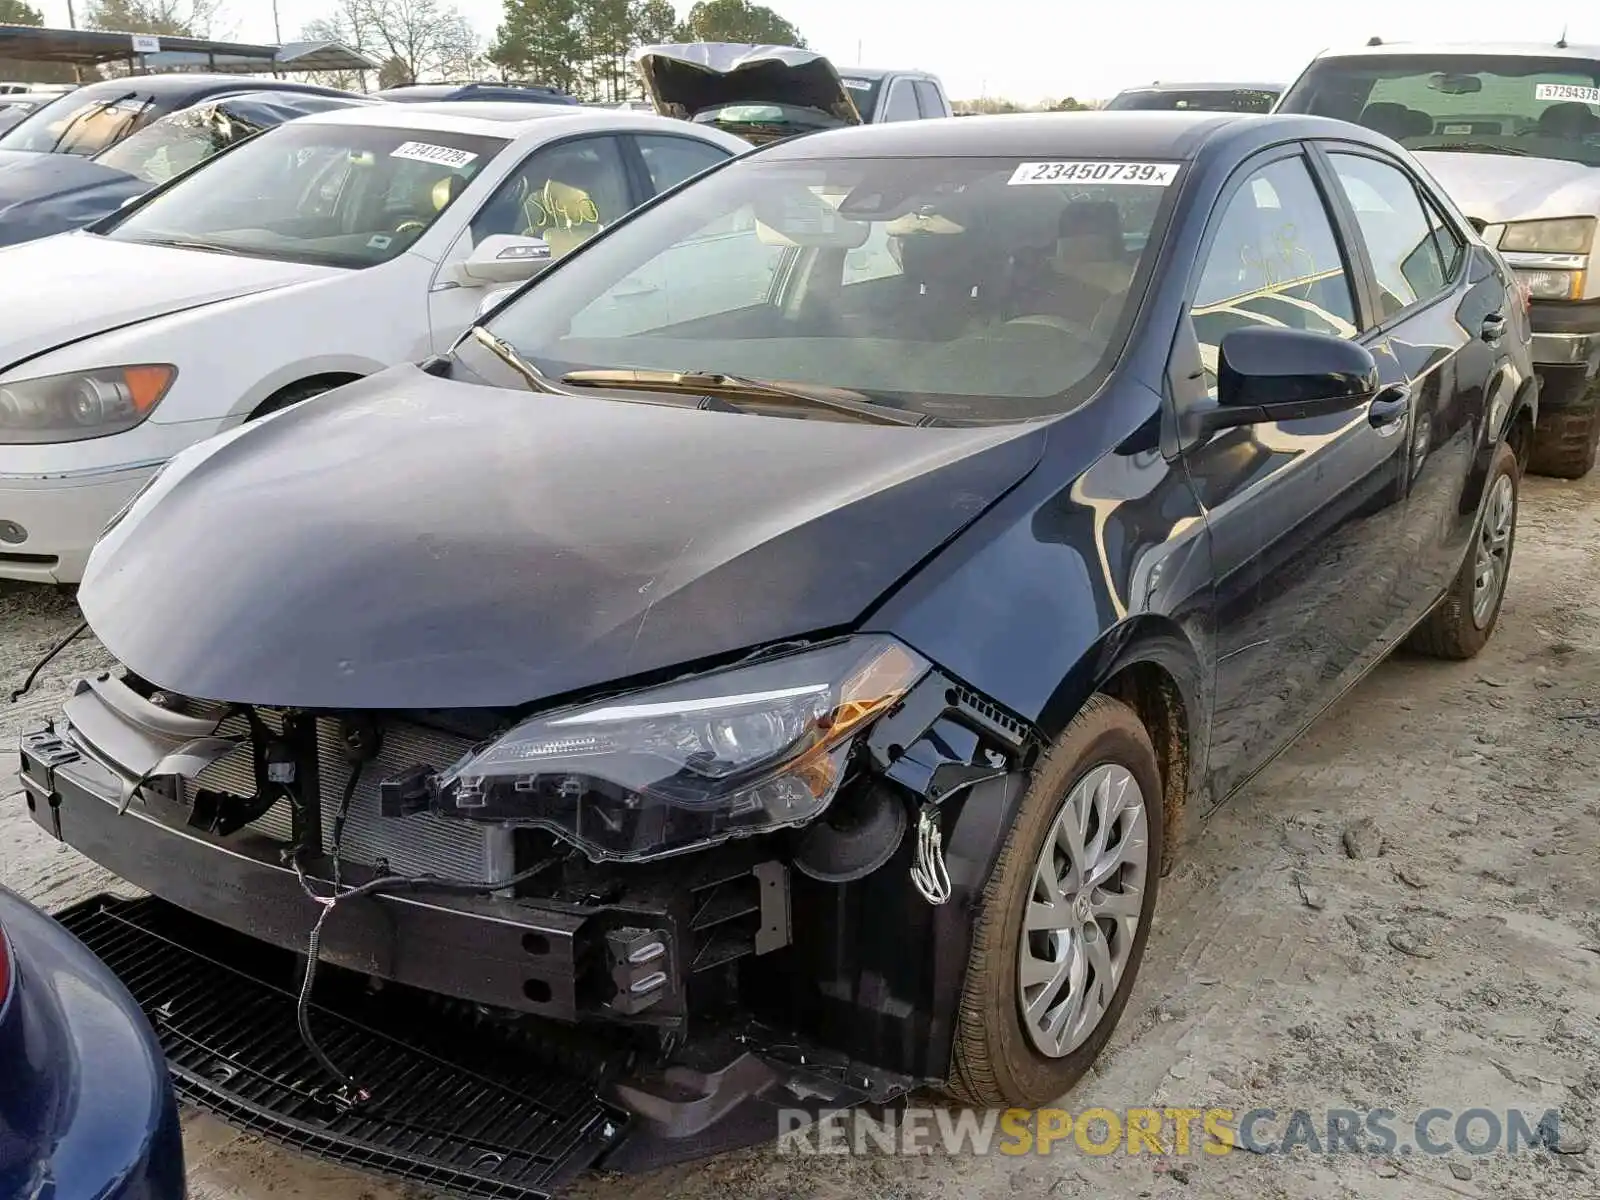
(1458, 968)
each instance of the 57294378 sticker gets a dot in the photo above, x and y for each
(1567, 91)
(1095, 171)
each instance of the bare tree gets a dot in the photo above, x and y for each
(345, 26)
(178, 18)
(421, 37)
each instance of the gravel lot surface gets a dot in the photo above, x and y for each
(1446, 954)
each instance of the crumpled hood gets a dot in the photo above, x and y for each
(689, 79)
(52, 193)
(81, 284)
(1497, 188)
(412, 542)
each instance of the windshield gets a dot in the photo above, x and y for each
(344, 195)
(175, 143)
(1249, 100)
(76, 123)
(863, 94)
(1475, 103)
(964, 289)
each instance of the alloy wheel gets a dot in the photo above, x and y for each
(1494, 550)
(1084, 910)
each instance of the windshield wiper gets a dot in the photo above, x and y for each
(1472, 148)
(506, 353)
(190, 244)
(710, 383)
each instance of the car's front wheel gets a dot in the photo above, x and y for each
(1065, 916)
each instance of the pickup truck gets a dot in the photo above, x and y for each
(886, 95)
(1512, 132)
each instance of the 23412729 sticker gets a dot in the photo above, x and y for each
(444, 156)
(1098, 171)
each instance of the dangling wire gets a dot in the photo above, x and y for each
(27, 684)
(928, 873)
(351, 1092)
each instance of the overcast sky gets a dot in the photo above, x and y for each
(1029, 49)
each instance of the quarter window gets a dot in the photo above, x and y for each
(564, 193)
(1399, 232)
(1274, 260)
(928, 99)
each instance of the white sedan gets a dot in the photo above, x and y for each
(314, 254)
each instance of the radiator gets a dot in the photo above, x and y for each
(422, 842)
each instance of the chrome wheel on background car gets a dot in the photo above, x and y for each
(1084, 914)
(1494, 549)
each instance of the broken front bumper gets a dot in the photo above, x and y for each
(602, 1067)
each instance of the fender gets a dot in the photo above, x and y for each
(292, 373)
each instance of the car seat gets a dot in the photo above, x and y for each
(1569, 120)
(949, 280)
(1395, 120)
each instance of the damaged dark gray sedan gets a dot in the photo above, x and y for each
(770, 661)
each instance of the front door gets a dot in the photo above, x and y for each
(565, 192)
(1305, 517)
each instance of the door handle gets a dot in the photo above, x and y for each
(1493, 327)
(1387, 412)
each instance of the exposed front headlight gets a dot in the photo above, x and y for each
(81, 404)
(732, 753)
(1551, 283)
(1568, 235)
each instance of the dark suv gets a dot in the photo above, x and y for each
(528, 93)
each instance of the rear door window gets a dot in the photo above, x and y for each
(1407, 258)
(902, 104)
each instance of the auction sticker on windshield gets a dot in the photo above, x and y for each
(444, 156)
(1149, 174)
(1567, 91)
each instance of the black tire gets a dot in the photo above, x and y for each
(1451, 630)
(994, 1063)
(1566, 442)
(292, 394)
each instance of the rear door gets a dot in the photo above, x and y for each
(1306, 518)
(1439, 322)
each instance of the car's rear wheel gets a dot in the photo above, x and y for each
(1566, 443)
(1464, 620)
(1065, 916)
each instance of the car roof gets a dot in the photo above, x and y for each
(1125, 135)
(878, 72)
(1233, 86)
(186, 82)
(1517, 49)
(507, 119)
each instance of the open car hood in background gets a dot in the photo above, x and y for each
(711, 82)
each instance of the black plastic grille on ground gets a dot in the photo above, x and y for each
(463, 1109)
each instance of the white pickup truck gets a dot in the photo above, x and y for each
(1512, 132)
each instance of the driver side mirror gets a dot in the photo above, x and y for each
(1268, 373)
(503, 258)
(1478, 223)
